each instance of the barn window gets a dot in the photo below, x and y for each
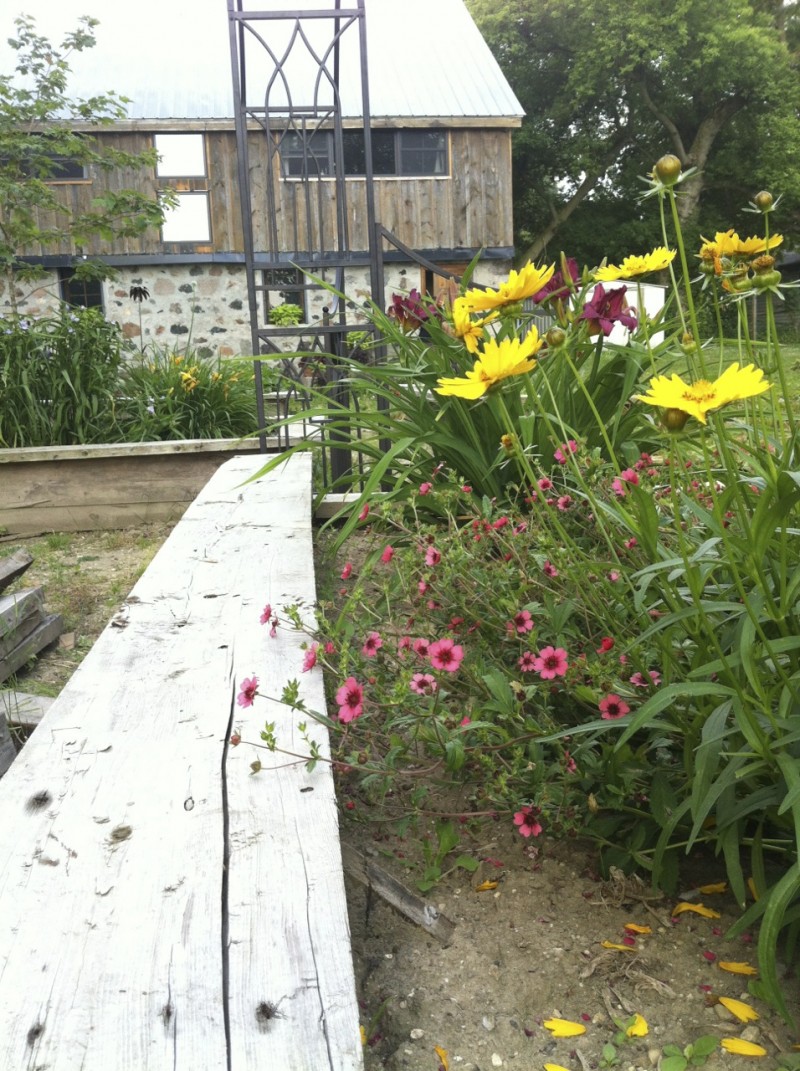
(394, 153)
(182, 162)
(188, 220)
(87, 293)
(180, 156)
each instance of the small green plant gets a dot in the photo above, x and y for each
(676, 1058)
(285, 315)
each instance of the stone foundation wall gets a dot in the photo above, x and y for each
(205, 305)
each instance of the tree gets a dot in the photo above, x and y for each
(610, 88)
(42, 130)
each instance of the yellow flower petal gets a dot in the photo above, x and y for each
(499, 361)
(486, 886)
(520, 285)
(698, 909)
(564, 1028)
(736, 968)
(638, 1028)
(555, 1067)
(363, 1033)
(701, 397)
(442, 1054)
(742, 1048)
(660, 258)
(617, 948)
(742, 1011)
(715, 887)
(634, 927)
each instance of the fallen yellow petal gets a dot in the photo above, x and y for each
(486, 886)
(751, 885)
(442, 1054)
(555, 1067)
(363, 1033)
(564, 1028)
(714, 887)
(742, 1047)
(738, 1008)
(638, 1028)
(736, 968)
(634, 927)
(698, 909)
(617, 948)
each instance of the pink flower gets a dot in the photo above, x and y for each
(613, 707)
(569, 763)
(569, 447)
(549, 569)
(388, 554)
(614, 576)
(544, 484)
(310, 659)
(364, 512)
(266, 614)
(423, 684)
(425, 488)
(347, 572)
(350, 698)
(630, 543)
(528, 821)
(638, 680)
(466, 489)
(421, 647)
(528, 662)
(466, 720)
(329, 648)
(501, 522)
(522, 622)
(248, 691)
(564, 502)
(605, 645)
(403, 645)
(432, 556)
(551, 662)
(629, 476)
(618, 487)
(446, 655)
(372, 644)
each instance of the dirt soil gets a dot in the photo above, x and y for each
(523, 951)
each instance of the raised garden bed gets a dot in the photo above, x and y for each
(82, 488)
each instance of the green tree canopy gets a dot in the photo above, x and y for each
(609, 88)
(41, 127)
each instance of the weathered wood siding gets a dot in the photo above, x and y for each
(469, 208)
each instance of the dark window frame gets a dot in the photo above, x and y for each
(313, 153)
(289, 285)
(71, 289)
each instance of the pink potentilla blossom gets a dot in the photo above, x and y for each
(638, 680)
(618, 487)
(422, 586)
(273, 632)
(372, 644)
(549, 569)
(425, 488)
(522, 622)
(501, 522)
(466, 489)
(248, 690)
(630, 543)
(623, 659)
(266, 614)
(421, 647)
(432, 556)
(350, 698)
(466, 720)
(629, 476)
(310, 657)
(329, 648)
(564, 502)
(551, 662)
(544, 484)
(569, 763)
(432, 604)
(423, 684)
(527, 663)
(347, 572)
(567, 448)
(532, 497)
(388, 554)
(606, 644)
(446, 655)
(403, 645)
(614, 576)
(520, 528)
(550, 501)
(364, 512)
(528, 821)
(455, 623)
(613, 707)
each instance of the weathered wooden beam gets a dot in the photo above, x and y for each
(13, 566)
(20, 613)
(42, 636)
(7, 750)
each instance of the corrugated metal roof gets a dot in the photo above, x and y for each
(426, 57)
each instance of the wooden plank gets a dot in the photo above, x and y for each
(23, 710)
(7, 750)
(227, 448)
(20, 613)
(189, 891)
(42, 636)
(13, 566)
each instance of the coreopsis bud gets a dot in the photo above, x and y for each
(555, 337)
(668, 169)
(508, 443)
(763, 263)
(763, 200)
(688, 344)
(674, 419)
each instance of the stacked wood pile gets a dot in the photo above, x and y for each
(25, 627)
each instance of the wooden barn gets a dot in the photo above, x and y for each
(441, 116)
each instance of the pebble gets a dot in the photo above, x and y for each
(750, 1033)
(497, 1060)
(488, 1022)
(722, 1012)
(416, 1034)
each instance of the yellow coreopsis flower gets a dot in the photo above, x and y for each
(632, 266)
(751, 247)
(699, 398)
(469, 330)
(729, 244)
(499, 360)
(520, 285)
(638, 1028)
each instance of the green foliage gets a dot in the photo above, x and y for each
(285, 315)
(37, 116)
(676, 1058)
(58, 379)
(166, 395)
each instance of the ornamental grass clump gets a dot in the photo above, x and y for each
(580, 610)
